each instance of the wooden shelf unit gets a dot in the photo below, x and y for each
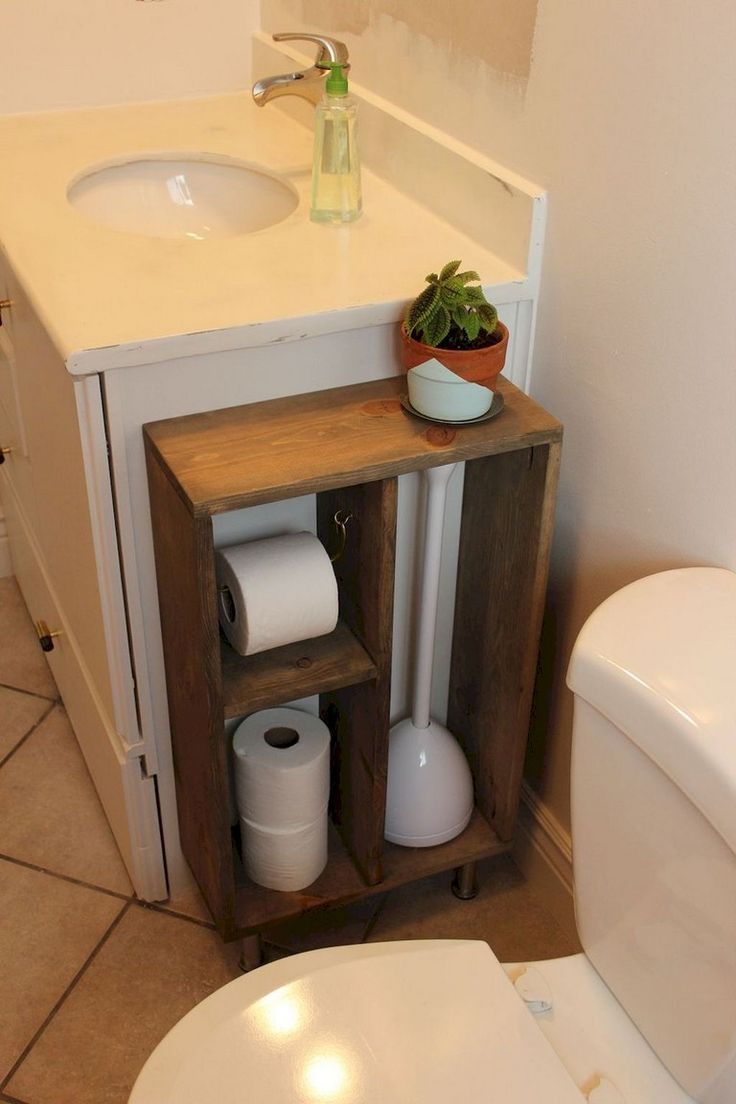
(348, 445)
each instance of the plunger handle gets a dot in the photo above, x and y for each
(437, 480)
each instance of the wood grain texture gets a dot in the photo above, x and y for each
(245, 455)
(342, 883)
(348, 445)
(185, 571)
(293, 671)
(358, 715)
(502, 570)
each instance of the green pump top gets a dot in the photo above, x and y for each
(337, 82)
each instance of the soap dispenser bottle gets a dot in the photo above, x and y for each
(336, 193)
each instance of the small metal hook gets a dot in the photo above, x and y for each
(342, 536)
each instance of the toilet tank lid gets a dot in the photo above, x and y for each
(658, 659)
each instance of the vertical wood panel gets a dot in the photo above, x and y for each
(185, 572)
(502, 571)
(359, 715)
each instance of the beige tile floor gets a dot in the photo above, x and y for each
(91, 978)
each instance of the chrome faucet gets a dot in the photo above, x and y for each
(310, 82)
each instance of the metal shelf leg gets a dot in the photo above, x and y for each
(465, 883)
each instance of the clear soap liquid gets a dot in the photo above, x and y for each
(336, 190)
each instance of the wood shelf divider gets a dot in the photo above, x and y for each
(348, 445)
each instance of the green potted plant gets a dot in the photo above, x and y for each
(452, 321)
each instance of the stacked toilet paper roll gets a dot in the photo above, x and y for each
(232, 804)
(275, 591)
(282, 785)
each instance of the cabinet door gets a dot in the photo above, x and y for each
(58, 499)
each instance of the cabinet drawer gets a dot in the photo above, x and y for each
(16, 476)
(12, 430)
(42, 601)
(7, 289)
(16, 470)
(29, 572)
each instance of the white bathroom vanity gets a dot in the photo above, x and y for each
(104, 330)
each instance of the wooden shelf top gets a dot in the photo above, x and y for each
(246, 455)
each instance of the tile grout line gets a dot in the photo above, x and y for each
(130, 898)
(72, 984)
(67, 878)
(154, 906)
(11, 1099)
(29, 733)
(29, 693)
(375, 917)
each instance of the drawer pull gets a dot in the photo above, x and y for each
(45, 636)
(5, 304)
(3, 453)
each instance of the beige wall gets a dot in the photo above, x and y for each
(71, 53)
(626, 116)
(497, 33)
(624, 111)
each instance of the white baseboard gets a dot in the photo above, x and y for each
(6, 564)
(543, 851)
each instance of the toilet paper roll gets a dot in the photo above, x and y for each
(282, 768)
(232, 803)
(285, 860)
(279, 590)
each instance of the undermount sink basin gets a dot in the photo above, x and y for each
(183, 197)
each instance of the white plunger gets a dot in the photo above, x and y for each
(430, 787)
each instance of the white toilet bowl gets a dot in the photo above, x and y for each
(647, 1015)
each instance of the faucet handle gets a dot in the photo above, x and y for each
(330, 49)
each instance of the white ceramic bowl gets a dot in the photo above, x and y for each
(437, 392)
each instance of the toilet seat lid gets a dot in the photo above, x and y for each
(418, 1022)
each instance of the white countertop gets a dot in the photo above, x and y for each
(102, 294)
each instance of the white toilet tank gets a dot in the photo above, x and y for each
(654, 815)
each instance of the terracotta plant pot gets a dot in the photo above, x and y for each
(476, 365)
